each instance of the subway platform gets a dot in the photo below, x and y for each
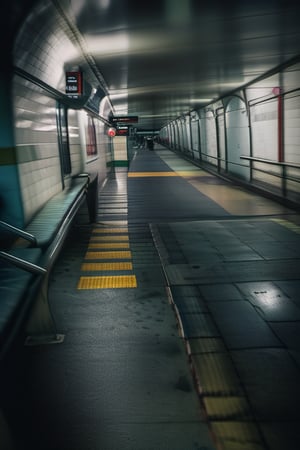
(180, 308)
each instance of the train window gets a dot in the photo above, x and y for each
(63, 139)
(91, 144)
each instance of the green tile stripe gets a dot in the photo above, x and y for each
(118, 163)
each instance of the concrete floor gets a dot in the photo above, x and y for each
(193, 344)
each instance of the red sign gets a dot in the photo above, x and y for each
(111, 132)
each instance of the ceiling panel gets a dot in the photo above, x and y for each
(163, 58)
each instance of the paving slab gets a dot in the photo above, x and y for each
(270, 301)
(281, 435)
(271, 380)
(288, 333)
(241, 326)
(220, 292)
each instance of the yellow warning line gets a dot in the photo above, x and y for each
(89, 267)
(190, 173)
(285, 223)
(110, 230)
(152, 174)
(181, 173)
(120, 281)
(107, 239)
(108, 245)
(108, 255)
(110, 238)
(244, 434)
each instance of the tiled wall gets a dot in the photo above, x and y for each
(75, 143)
(45, 48)
(37, 146)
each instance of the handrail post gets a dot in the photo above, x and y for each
(283, 180)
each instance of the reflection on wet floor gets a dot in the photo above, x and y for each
(199, 351)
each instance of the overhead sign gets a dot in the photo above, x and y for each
(124, 119)
(122, 131)
(74, 83)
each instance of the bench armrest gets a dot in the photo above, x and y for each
(18, 232)
(22, 263)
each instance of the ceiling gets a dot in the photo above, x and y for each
(163, 58)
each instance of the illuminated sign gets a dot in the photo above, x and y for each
(111, 132)
(124, 119)
(74, 83)
(122, 131)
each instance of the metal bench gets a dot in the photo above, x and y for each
(26, 266)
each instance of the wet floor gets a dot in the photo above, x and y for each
(180, 311)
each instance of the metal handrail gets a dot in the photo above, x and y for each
(269, 161)
(59, 238)
(22, 263)
(21, 233)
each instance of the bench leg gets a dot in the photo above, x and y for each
(41, 328)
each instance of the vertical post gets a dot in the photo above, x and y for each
(218, 142)
(280, 126)
(280, 136)
(225, 137)
(250, 135)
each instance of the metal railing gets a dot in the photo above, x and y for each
(281, 174)
(22, 263)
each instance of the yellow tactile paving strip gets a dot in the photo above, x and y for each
(236, 435)
(91, 267)
(287, 224)
(109, 230)
(222, 408)
(233, 200)
(107, 282)
(108, 255)
(110, 238)
(227, 408)
(205, 345)
(107, 260)
(108, 245)
(215, 374)
(152, 174)
(191, 173)
(225, 403)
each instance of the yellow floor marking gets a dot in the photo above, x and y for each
(110, 238)
(287, 224)
(244, 434)
(237, 201)
(112, 223)
(108, 245)
(110, 230)
(108, 255)
(89, 267)
(152, 174)
(232, 199)
(190, 173)
(119, 281)
(227, 406)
